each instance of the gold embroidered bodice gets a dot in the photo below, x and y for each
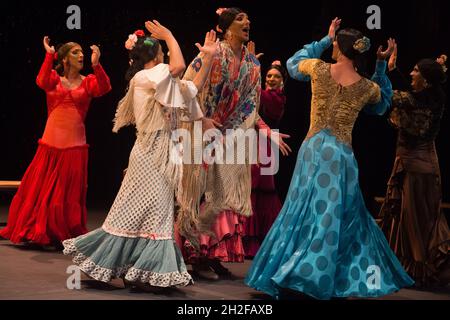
(333, 106)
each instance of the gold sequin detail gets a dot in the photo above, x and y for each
(333, 106)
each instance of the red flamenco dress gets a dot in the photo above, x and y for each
(266, 203)
(50, 205)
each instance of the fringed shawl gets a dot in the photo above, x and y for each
(233, 100)
(156, 103)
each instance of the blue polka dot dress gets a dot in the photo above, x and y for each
(324, 242)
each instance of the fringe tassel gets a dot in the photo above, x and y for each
(124, 113)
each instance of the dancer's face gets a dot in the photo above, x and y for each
(74, 59)
(418, 82)
(274, 79)
(240, 28)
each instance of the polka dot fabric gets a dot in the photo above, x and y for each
(136, 240)
(324, 242)
(144, 206)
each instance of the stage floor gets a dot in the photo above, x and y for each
(41, 275)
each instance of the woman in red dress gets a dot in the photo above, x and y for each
(50, 205)
(266, 203)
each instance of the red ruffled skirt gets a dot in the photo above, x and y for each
(50, 205)
(226, 244)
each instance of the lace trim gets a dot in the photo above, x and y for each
(128, 234)
(129, 272)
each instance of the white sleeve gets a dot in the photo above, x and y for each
(173, 92)
(189, 92)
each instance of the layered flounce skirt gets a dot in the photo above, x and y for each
(411, 215)
(136, 241)
(50, 204)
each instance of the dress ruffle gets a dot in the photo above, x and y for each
(104, 257)
(50, 205)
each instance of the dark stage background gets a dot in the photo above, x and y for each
(422, 29)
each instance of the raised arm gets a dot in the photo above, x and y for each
(205, 59)
(98, 84)
(380, 101)
(313, 50)
(158, 31)
(47, 77)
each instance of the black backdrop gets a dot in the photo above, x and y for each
(279, 29)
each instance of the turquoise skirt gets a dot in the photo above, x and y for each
(324, 242)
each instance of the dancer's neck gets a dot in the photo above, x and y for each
(236, 46)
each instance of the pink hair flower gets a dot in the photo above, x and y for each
(131, 41)
(276, 63)
(221, 10)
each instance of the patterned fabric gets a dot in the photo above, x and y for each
(324, 242)
(157, 263)
(231, 93)
(416, 117)
(230, 96)
(145, 196)
(339, 111)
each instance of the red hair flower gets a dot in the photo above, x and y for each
(139, 33)
(55, 56)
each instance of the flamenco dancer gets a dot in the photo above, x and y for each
(324, 242)
(412, 219)
(231, 98)
(136, 241)
(266, 203)
(50, 205)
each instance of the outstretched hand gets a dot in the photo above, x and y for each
(277, 138)
(252, 49)
(392, 63)
(95, 57)
(334, 27)
(157, 30)
(210, 45)
(47, 47)
(383, 55)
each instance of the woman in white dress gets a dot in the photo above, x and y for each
(136, 240)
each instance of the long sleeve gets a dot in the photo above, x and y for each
(380, 101)
(313, 50)
(413, 118)
(98, 83)
(47, 78)
(189, 92)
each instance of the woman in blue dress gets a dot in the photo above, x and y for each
(324, 242)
